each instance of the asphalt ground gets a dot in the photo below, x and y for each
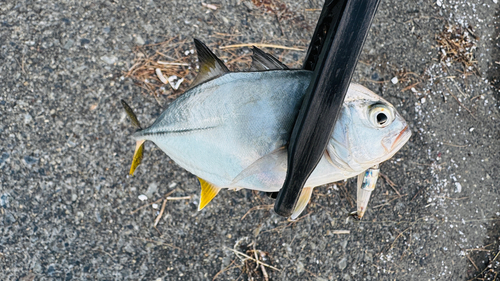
(69, 210)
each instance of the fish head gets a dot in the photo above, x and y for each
(369, 131)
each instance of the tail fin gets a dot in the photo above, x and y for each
(139, 145)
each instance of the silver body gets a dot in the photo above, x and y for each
(232, 131)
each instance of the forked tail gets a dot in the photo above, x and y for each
(139, 145)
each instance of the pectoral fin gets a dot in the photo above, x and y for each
(139, 149)
(208, 192)
(301, 204)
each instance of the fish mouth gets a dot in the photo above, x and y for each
(401, 139)
(392, 144)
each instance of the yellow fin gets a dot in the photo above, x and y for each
(208, 192)
(301, 204)
(139, 149)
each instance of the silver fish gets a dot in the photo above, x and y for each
(231, 129)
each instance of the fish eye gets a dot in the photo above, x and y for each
(381, 115)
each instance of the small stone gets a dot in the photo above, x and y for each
(344, 245)
(153, 187)
(343, 263)
(109, 59)
(84, 41)
(69, 44)
(394, 80)
(30, 160)
(143, 197)
(300, 267)
(4, 201)
(369, 257)
(27, 119)
(225, 20)
(4, 157)
(129, 249)
(9, 218)
(50, 271)
(139, 40)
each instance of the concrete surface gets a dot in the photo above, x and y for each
(66, 199)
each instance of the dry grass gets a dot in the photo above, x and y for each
(410, 79)
(457, 44)
(172, 57)
(487, 265)
(255, 263)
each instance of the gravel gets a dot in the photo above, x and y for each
(68, 210)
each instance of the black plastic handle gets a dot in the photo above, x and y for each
(333, 55)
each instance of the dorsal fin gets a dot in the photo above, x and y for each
(264, 61)
(210, 65)
(208, 192)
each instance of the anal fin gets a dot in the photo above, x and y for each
(269, 170)
(301, 204)
(208, 192)
(139, 149)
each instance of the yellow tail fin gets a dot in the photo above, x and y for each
(139, 145)
(139, 149)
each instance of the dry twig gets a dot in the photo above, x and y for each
(261, 207)
(391, 183)
(262, 45)
(253, 259)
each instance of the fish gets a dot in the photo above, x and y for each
(231, 129)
